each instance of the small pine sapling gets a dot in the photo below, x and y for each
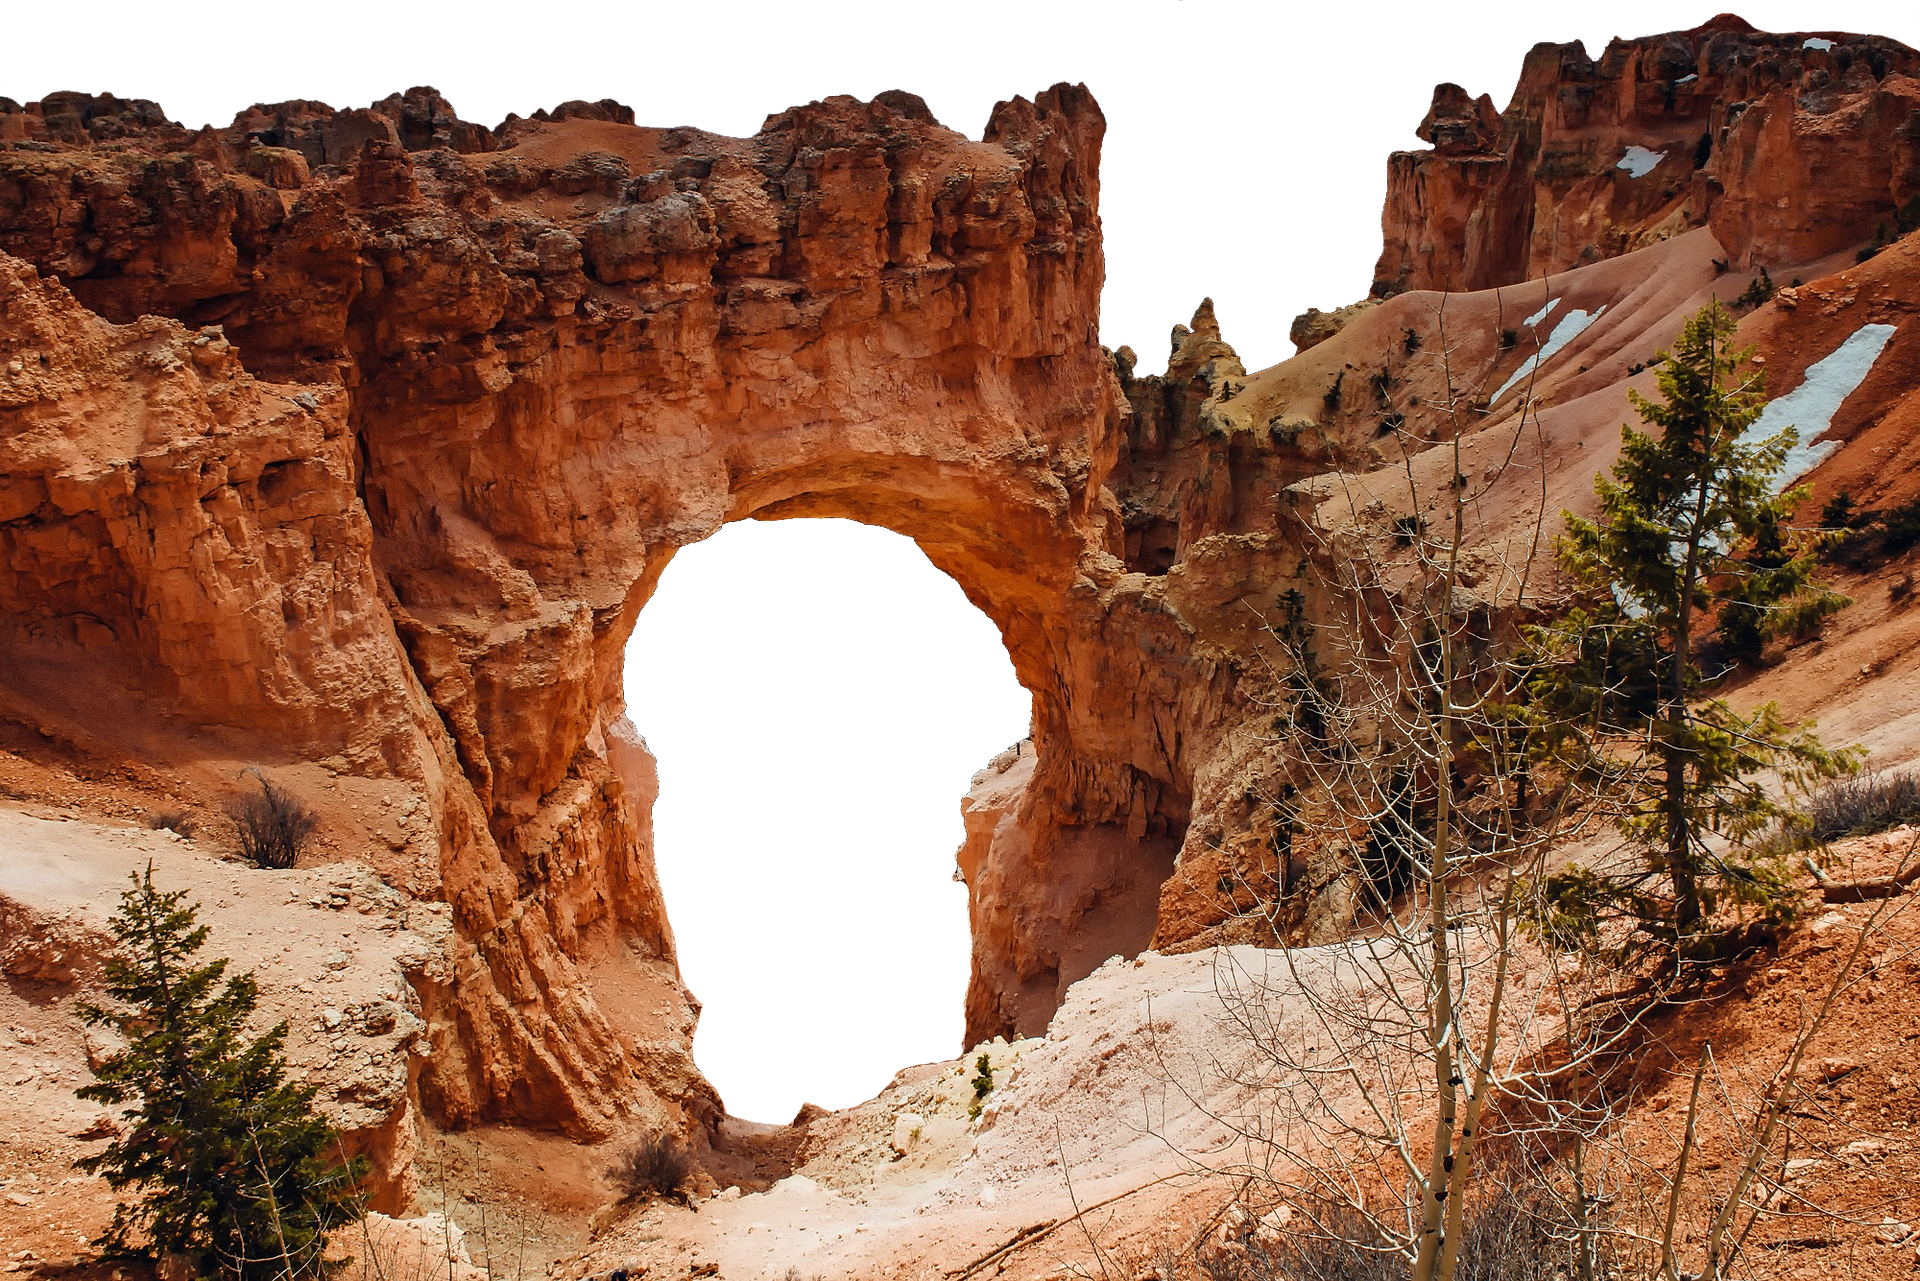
(235, 1168)
(982, 1085)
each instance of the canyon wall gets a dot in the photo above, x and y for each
(353, 442)
(1788, 146)
(359, 439)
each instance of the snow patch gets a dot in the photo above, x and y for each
(1571, 326)
(1810, 407)
(1542, 314)
(1639, 162)
(1689, 78)
(1815, 42)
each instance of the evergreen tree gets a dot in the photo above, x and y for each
(1691, 532)
(234, 1166)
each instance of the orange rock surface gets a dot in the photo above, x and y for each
(353, 442)
(1788, 146)
(362, 437)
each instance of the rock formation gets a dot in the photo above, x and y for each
(361, 437)
(1788, 146)
(354, 441)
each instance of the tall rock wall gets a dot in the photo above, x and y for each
(355, 441)
(1789, 146)
(361, 437)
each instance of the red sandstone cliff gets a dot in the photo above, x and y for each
(1788, 146)
(360, 438)
(431, 407)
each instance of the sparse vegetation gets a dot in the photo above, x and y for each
(1523, 1235)
(1862, 805)
(1864, 538)
(1331, 397)
(1509, 338)
(654, 1167)
(1383, 386)
(1759, 291)
(1409, 340)
(235, 1168)
(1689, 526)
(982, 1084)
(273, 824)
(178, 822)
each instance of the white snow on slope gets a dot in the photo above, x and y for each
(1639, 162)
(1687, 79)
(1815, 42)
(1542, 314)
(1571, 326)
(1810, 407)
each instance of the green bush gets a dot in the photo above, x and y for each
(235, 1168)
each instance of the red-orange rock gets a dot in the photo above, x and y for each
(358, 438)
(509, 382)
(1788, 146)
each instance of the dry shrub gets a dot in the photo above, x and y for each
(652, 1168)
(273, 825)
(177, 821)
(1863, 805)
(1520, 1236)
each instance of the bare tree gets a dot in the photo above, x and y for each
(1379, 1061)
(1421, 804)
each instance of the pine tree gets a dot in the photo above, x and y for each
(1691, 532)
(235, 1168)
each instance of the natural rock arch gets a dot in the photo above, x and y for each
(397, 515)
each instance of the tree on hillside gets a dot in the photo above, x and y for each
(1691, 534)
(235, 1168)
(1387, 1066)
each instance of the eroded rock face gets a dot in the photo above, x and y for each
(362, 437)
(1789, 146)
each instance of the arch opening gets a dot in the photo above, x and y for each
(816, 694)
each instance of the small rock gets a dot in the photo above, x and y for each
(337, 960)
(1802, 1165)
(17, 1199)
(1892, 1231)
(906, 1132)
(332, 1018)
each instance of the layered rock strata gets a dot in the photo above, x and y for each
(361, 437)
(1788, 146)
(353, 442)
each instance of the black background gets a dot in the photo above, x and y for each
(818, 694)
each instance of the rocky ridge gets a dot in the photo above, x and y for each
(353, 442)
(1788, 146)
